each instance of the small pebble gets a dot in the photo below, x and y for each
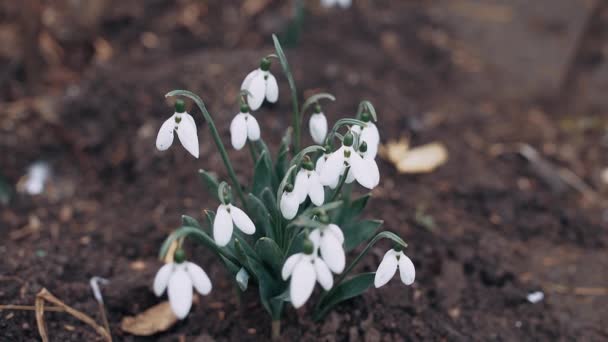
(535, 297)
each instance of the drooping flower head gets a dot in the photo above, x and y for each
(228, 216)
(261, 84)
(318, 125)
(182, 123)
(244, 126)
(308, 184)
(179, 278)
(290, 202)
(393, 260)
(368, 134)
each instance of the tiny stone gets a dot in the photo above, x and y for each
(372, 335)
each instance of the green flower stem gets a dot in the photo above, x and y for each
(343, 122)
(216, 137)
(340, 185)
(294, 93)
(197, 233)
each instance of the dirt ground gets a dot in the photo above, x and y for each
(82, 89)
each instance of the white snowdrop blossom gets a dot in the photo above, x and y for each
(365, 171)
(179, 279)
(226, 215)
(318, 127)
(330, 240)
(289, 204)
(370, 135)
(182, 123)
(261, 84)
(392, 261)
(319, 167)
(341, 3)
(244, 126)
(308, 184)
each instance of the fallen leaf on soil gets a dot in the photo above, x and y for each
(156, 319)
(422, 159)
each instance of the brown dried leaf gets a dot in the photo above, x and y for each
(154, 320)
(422, 159)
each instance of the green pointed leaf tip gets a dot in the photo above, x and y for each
(259, 215)
(351, 288)
(190, 221)
(210, 181)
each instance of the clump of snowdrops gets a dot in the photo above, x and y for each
(297, 218)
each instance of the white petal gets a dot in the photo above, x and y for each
(315, 189)
(162, 279)
(199, 278)
(324, 276)
(334, 229)
(318, 127)
(248, 78)
(290, 264)
(374, 172)
(180, 292)
(241, 220)
(289, 204)
(315, 238)
(238, 131)
(363, 170)
(350, 177)
(222, 226)
(321, 163)
(301, 185)
(272, 88)
(406, 269)
(302, 283)
(164, 139)
(332, 252)
(257, 88)
(253, 128)
(386, 269)
(186, 131)
(371, 136)
(334, 165)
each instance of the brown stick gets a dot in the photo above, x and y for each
(29, 308)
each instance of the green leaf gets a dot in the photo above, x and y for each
(357, 232)
(283, 155)
(242, 279)
(270, 203)
(262, 175)
(270, 254)
(210, 181)
(270, 287)
(259, 215)
(347, 290)
(351, 210)
(190, 221)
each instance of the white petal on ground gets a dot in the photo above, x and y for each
(361, 171)
(238, 131)
(241, 220)
(334, 165)
(386, 269)
(290, 264)
(253, 128)
(180, 292)
(199, 278)
(257, 90)
(222, 226)
(301, 185)
(332, 252)
(302, 282)
(406, 269)
(272, 88)
(324, 276)
(162, 279)
(318, 127)
(164, 139)
(289, 204)
(186, 132)
(334, 229)
(315, 189)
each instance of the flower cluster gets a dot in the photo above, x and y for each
(297, 221)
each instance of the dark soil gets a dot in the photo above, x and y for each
(89, 100)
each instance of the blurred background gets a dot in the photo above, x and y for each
(516, 90)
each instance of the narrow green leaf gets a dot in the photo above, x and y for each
(347, 290)
(190, 221)
(357, 232)
(262, 175)
(283, 155)
(210, 181)
(259, 215)
(270, 254)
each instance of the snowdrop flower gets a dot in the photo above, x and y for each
(290, 202)
(330, 240)
(182, 123)
(365, 171)
(308, 185)
(368, 134)
(179, 277)
(321, 163)
(244, 126)
(318, 126)
(392, 261)
(331, 3)
(226, 215)
(261, 84)
(305, 269)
